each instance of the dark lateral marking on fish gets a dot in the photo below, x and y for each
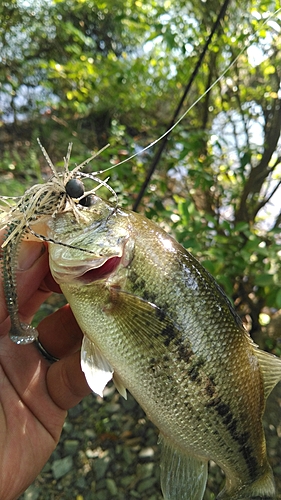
(210, 387)
(229, 421)
(139, 286)
(232, 427)
(224, 411)
(160, 314)
(169, 334)
(163, 361)
(194, 374)
(138, 283)
(147, 296)
(134, 278)
(250, 460)
(243, 438)
(213, 402)
(193, 370)
(184, 351)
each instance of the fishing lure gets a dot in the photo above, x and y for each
(62, 191)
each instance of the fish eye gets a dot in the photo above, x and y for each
(88, 200)
(75, 188)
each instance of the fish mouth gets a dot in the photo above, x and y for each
(89, 256)
(102, 272)
(84, 273)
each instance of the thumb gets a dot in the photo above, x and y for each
(66, 382)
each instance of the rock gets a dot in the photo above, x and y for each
(146, 484)
(70, 446)
(32, 493)
(111, 486)
(62, 467)
(146, 453)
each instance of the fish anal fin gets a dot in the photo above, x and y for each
(183, 477)
(96, 368)
(270, 367)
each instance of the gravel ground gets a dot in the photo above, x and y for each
(108, 450)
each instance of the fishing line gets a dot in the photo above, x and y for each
(248, 44)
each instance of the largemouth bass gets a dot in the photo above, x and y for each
(156, 322)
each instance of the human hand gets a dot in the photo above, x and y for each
(34, 395)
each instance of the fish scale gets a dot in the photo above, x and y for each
(158, 323)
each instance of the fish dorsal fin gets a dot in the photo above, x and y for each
(270, 367)
(183, 477)
(96, 368)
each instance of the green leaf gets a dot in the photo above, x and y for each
(241, 226)
(264, 279)
(278, 299)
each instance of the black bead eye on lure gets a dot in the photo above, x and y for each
(87, 201)
(75, 188)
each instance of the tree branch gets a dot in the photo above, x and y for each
(259, 173)
(194, 73)
(267, 198)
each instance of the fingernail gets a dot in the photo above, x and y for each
(28, 254)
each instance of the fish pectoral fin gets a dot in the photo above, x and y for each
(183, 477)
(96, 368)
(270, 367)
(144, 319)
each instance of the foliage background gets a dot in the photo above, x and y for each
(112, 71)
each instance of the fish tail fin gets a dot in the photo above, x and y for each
(262, 488)
(183, 477)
